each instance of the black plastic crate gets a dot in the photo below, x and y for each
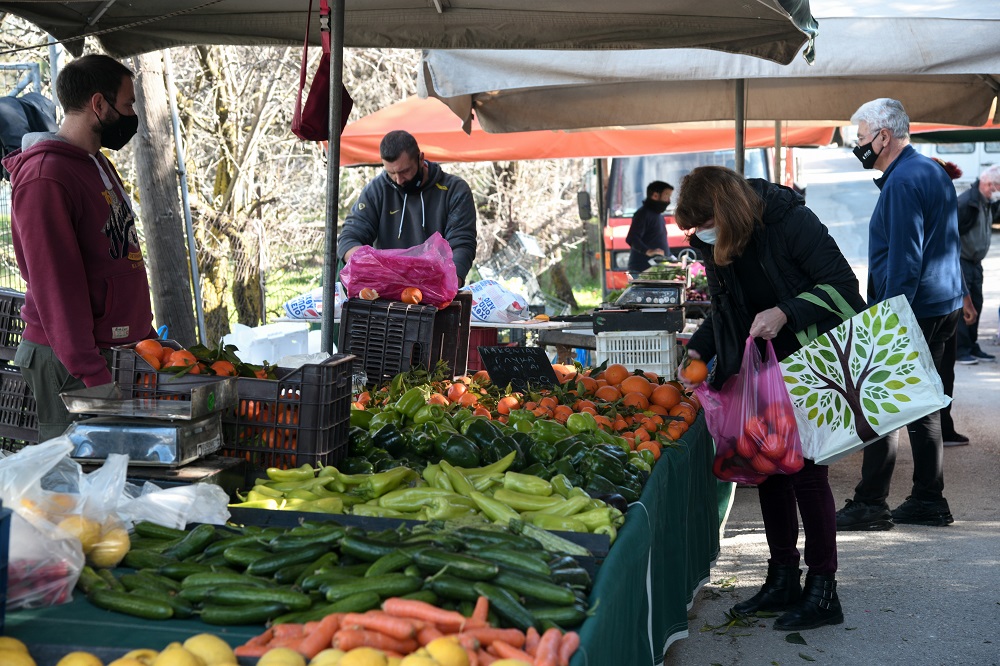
(389, 337)
(5, 520)
(18, 414)
(301, 417)
(11, 324)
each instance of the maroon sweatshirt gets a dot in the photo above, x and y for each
(77, 248)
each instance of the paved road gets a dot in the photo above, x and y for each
(912, 596)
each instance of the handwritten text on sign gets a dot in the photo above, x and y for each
(518, 366)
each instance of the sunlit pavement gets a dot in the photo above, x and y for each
(913, 595)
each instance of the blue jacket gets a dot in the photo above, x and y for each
(913, 243)
(648, 231)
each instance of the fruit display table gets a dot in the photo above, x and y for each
(641, 593)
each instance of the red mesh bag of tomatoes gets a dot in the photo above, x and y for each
(752, 421)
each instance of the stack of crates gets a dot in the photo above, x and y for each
(389, 337)
(651, 351)
(18, 417)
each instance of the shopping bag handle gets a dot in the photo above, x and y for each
(840, 307)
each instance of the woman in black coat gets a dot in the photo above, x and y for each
(762, 247)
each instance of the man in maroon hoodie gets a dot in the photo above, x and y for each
(74, 237)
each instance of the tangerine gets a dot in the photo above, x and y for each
(508, 403)
(224, 369)
(438, 399)
(182, 357)
(411, 295)
(607, 393)
(152, 359)
(637, 384)
(635, 399)
(368, 294)
(589, 385)
(456, 391)
(694, 371)
(616, 373)
(665, 395)
(150, 346)
(653, 447)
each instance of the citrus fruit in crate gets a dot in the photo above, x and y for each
(368, 294)
(411, 295)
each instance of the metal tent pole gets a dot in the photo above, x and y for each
(333, 173)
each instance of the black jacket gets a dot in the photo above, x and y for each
(648, 231)
(385, 217)
(796, 253)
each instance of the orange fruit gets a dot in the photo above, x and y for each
(676, 429)
(150, 347)
(165, 354)
(616, 373)
(635, 399)
(182, 357)
(650, 446)
(666, 395)
(548, 402)
(456, 391)
(589, 385)
(637, 384)
(508, 403)
(561, 413)
(694, 371)
(651, 376)
(657, 409)
(437, 399)
(685, 411)
(152, 359)
(607, 393)
(482, 411)
(411, 295)
(368, 294)
(224, 369)
(481, 377)
(468, 399)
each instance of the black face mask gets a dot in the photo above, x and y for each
(115, 135)
(412, 186)
(867, 155)
(656, 206)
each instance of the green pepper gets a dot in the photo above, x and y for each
(413, 499)
(546, 430)
(570, 507)
(262, 488)
(541, 452)
(370, 511)
(302, 494)
(568, 446)
(421, 445)
(302, 473)
(359, 441)
(564, 468)
(458, 480)
(410, 403)
(548, 521)
(429, 413)
(381, 483)
(461, 452)
(390, 438)
(595, 518)
(648, 456)
(357, 465)
(324, 505)
(392, 463)
(561, 485)
(609, 530)
(270, 503)
(525, 502)
(360, 418)
(597, 485)
(499, 467)
(460, 417)
(530, 485)
(600, 462)
(495, 510)
(536, 469)
(442, 509)
(640, 464)
(482, 431)
(484, 483)
(614, 452)
(581, 422)
(384, 417)
(257, 496)
(430, 473)
(521, 426)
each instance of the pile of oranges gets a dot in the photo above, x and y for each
(161, 357)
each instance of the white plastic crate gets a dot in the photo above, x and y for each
(652, 351)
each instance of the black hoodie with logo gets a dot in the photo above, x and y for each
(386, 217)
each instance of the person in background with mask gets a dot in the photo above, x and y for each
(408, 202)
(913, 250)
(977, 208)
(74, 236)
(762, 247)
(647, 235)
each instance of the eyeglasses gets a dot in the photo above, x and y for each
(871, 136)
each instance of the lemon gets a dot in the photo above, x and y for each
(447, 652)
(212, 649)
(418, 660)
(126, 661)
(15, 657)
(282, 657)
(144, 656)
(79, 659)
(175, 655)
(328, 657)
(364, 656)
(11, 643)
(86, 530)
(396, 661)
(109, 549)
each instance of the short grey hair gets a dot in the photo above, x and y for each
(991, 175)
(884, 113)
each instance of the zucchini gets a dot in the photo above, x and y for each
(506, 605)
(548, 540)
(130, 604)
(499, 538)
(536, 588)
(148, 581)
(573, 576)
(514, 559)
(217, 547)
(111, 580)
(181, 570)
(145, 559)
(326, 561)
(145, 528)
(389, 563)
(564, 616)
(451, 587)
(287, 575)
(90, 580)
(317, 580)
(266, 566)
(182, 608)
(224, 578)
(242, 557)
(389, 585)
(236, 615)
(425, 595)
(463, 566)
(365, 548)
(327, 535)
(253, 596)
(196, 593)
(192, 544)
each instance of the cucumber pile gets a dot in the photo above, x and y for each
(254, 575)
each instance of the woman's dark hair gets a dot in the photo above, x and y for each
(715, 192)
(397, 142)
(82, 78)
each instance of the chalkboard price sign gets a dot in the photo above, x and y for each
(518, 366)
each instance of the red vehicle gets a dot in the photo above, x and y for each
(627, 188)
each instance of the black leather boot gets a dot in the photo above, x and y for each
(781, 589)
(818, 606)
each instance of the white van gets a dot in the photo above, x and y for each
(971, 158)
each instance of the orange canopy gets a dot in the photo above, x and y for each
(439, 132)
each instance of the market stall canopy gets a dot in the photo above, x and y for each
(442, 138)
(772, 29)
(930, 133)
(941, 60)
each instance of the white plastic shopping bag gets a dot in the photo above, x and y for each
(860, 381)
(493, 302)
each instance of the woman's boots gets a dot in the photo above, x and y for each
(818, 606)
(781, 590)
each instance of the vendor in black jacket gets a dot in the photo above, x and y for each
(408, 202)
(762, 247)
(647, 235)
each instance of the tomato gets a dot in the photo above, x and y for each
(763, 464)
(773, 446)
(776, 411)
(746, 447)
(411, 295)
(756, 429)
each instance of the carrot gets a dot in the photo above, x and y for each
(390, 625)
(348, 639)
(570, 643)
(487, 635)
(531, 638)
(507, 651)
(471, 646)
(485, 658)
(420, 610)
(428, 633)
(287, 630)
(263, 638)
(247, 650)
(321, 636)
(548, 648)
(482, 610)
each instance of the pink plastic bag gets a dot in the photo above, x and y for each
(429, 267)
(752, 422)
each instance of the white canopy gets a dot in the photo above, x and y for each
(942, 62)
(772, 29)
